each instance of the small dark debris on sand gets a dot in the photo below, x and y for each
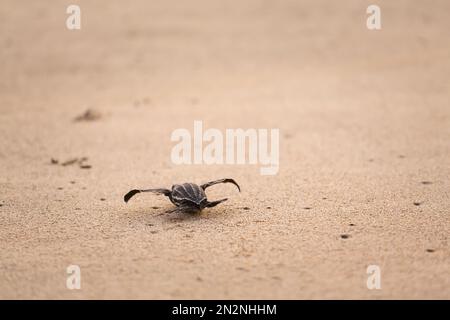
(72, 182)
(80, 161)
(307, 208)
(246, 208)
(69, 162)
(345, 236)
(60, 188)
(427, 182)
(155, 207)
(88, 115)
(351, 224)
(268, 207)
(143, 101)
(416, 203)
(242, 269)
(430, 250)
(102, 199)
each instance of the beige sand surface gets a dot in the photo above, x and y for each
(364, 118)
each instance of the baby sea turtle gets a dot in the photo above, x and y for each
(188, 197)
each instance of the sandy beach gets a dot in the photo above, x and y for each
(364, 167)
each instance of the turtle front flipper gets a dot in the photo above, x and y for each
(211, 183)
(131, 193)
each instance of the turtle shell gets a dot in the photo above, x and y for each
(188, 192)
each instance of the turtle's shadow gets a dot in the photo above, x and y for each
(167, 215)
(173, 217)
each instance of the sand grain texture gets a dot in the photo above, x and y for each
(364, 119)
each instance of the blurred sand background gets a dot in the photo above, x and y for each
(364, 119)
